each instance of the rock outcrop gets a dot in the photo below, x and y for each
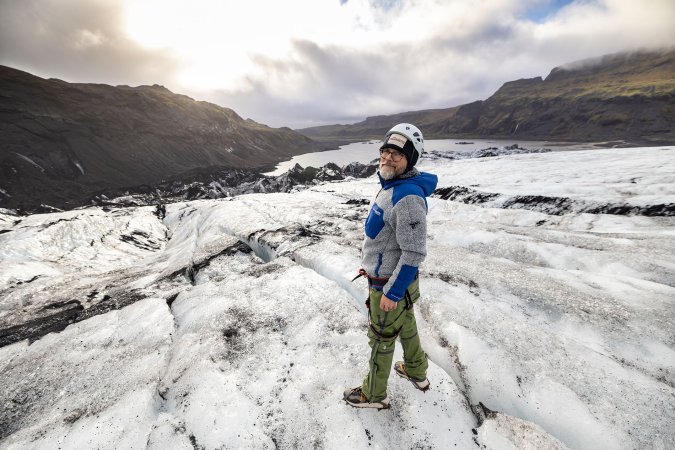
(222, 184)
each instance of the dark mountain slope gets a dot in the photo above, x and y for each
(628, 97)
(62, 141)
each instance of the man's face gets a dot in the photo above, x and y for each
(392, 163)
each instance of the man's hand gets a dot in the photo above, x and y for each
(387, 305)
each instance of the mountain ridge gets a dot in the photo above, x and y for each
(63, 141)
(623, 96)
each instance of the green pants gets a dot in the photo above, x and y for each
(384, 328)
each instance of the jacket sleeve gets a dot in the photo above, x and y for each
(410, 220)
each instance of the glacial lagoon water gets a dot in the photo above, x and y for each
(365, 152)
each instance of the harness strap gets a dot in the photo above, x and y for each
(384, 337)
(408, 337)
(408, 300)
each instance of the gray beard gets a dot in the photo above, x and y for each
(387, 173)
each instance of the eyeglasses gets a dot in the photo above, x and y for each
(395, 155)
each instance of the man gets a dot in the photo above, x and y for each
(393, 249)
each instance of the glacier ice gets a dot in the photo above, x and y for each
(234, 323)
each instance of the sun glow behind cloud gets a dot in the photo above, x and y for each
(217, 42)
(220, 43)
(230, 46)
(205, 37)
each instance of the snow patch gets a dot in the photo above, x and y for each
(26, 158)
(510, 433)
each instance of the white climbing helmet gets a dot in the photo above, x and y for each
(413, 134)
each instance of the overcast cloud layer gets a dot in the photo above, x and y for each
(310, 62)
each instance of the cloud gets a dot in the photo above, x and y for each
(76, 41)
(309, 62)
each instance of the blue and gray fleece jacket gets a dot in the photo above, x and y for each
(396, 231)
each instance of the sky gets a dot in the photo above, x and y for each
(300, 63)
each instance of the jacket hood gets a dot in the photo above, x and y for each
(427, 181)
